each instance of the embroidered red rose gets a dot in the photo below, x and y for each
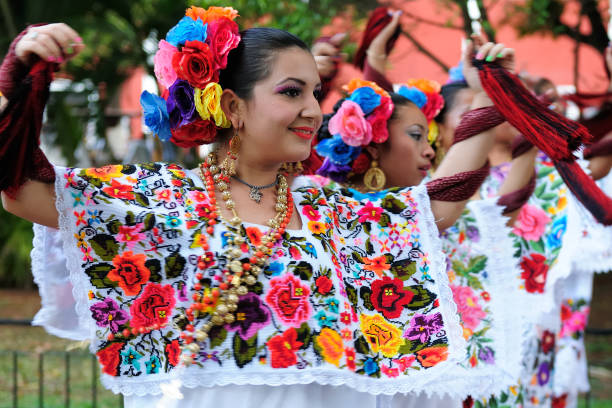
(295, 253)
(323, 284)
(389, 296)
(130, 272)
(118, 190)
(431, 356)
(153, 307)
(548, 341)
(223, 37)
(289, 300)
(350, 358)
(534, 273)
(559, 402)
(195, 64)
(311, 213)
(283, 348)
(194, 134)
(109, 358)
(254, 234)
(173, 351)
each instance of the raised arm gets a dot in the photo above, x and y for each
(470, 154)
(56, 43)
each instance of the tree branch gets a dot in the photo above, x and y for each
(423, 50)
(430, 22)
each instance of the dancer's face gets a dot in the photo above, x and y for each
(461, 104)
(283, 114)
(406, 156)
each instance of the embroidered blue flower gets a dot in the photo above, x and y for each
(370, 366)
(173, 222)
(332, 304)
(187, 29)
(372, 196)
(131, 357)
(309, 248)
(366, 98)
(156, 115)
(225, 235)
(414, 95)
(78, 199)
(153, 365)
(274, 269)
(555, 237)
(324, 319)
(94, 217)
(337, 151)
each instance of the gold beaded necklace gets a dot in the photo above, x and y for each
(222, 302)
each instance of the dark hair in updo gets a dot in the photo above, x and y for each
(251, 61)
(449, 93)
(399, 100)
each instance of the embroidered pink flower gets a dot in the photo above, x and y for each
(349, 122)
(162, 61)
(370, 213)
(575, 323)
(153, 307)
(405, 362)
(222, 38)
(311, 213)
(289, 300)
(164, 195)
(389, 372)
(531, 223)
(469, 309)
(131, 235)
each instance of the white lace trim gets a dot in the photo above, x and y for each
(507, 330)
(190, 377)
(56, 315)
(77, 277)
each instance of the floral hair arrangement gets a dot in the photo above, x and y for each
(425, 94)
(358, 120)
(187, 65)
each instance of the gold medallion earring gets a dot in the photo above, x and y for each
(374, 179)
(229, 163)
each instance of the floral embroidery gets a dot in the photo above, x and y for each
(108, 313)
(331, 345)
(283, 348)
(289, 299)
(381, 336)
(153, 307)
(130, 272)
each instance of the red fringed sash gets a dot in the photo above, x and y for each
(20, 123)
(555, 135)
(458, 187)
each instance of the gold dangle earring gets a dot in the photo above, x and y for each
(374, 179)
(229, 163)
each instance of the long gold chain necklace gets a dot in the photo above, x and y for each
(221, 302)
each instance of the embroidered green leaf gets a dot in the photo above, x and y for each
(539, 190)
(149, 222)
(141, 199)
(130, 218)
(537, 246)
(304, 336)
(384, 220)
(362, 346)
(403, 269)
(128, 169)
(411, 346)
(154, 265)
(97, 275)
(303, 270)
(180, 320)
(459, 268)
(357, 257)
(351, 293)
(369, 247)
(113, 227)
(152, 167)
(257, 288)
(217, 336)
(104, 246)
(174, 266)
(477, 264)
(366, 295)
(244, 351)
(422, 297)
(392, 204)
(545, 171)
(474, 282)
(367, 227)
(549, 196)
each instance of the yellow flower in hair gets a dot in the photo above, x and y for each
(432, 136)
(208, 104)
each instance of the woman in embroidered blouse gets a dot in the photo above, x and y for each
(160, 271)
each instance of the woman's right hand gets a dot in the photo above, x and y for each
(486, 52)
(51, 42)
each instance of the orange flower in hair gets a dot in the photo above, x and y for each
(426, 85)
(211, 14)
(358, 83)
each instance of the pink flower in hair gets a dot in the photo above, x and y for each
(349, 122)
(378, 120)
(222, 38)
(163, 63)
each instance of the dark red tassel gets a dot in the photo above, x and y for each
(555, 135)
(458, 187)
(585, 189)
(20, 123)
(378, 20)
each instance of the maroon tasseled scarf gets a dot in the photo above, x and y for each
(516, 199)
(378, 20)
(555, 135)
(20, 122)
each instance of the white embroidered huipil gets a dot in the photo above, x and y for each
(357, 298)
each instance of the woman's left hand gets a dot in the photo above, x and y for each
(487, 52)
